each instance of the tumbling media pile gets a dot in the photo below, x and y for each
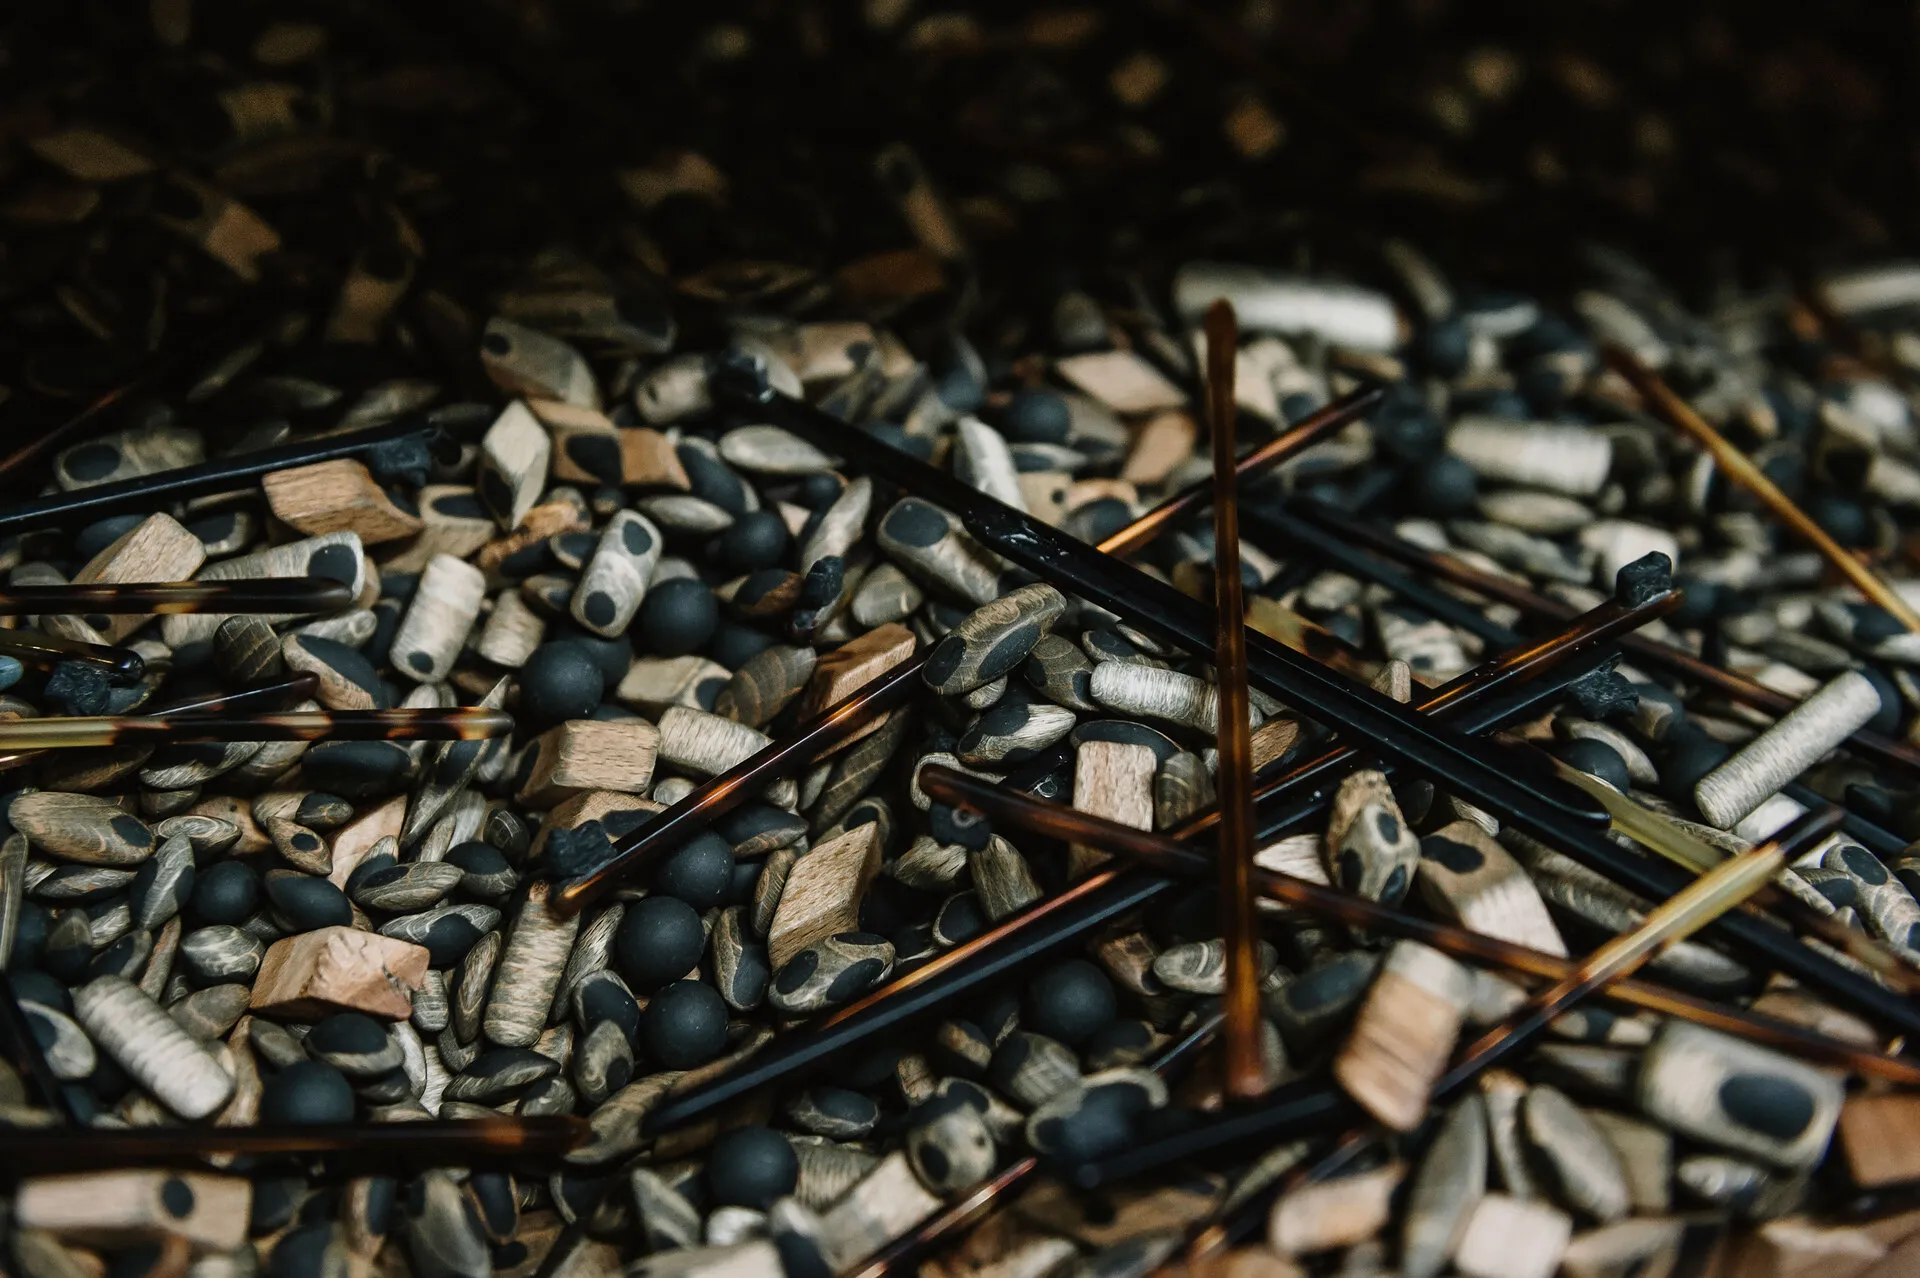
(670, 494)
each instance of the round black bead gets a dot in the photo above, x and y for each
(677, 617)
(700, 873)
(659, 941)
(1444, 486)
(560, 681)
(751, 1167)
(758, 539)
(224, 892)
(1070, 1001)
(307, 1092)
(1036, 417)
(685, 1025)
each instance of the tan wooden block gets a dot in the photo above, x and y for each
(511, 632)
(823, 892)
(1322, 1215)
(1162, 443)
(1114, 780)
(334, 969)
(593, 805)
(1121, 380)
(590, 754)
(129, 1206)
(647, 457)
(887, 1202)
(354, 840)
(1085, 491)
(1272, 739)
(337, 496)
(1880, 1136)
(513, 464)
(852, 666)
(159, 549)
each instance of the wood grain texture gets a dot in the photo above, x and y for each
(590, 754)
(823, 892)
(1115, 781)
(334, 969)
(337, 496)
(158, 549)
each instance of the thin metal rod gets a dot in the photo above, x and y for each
(444, 1142)
(465, 723)
(1244, 1074)
(714, 798)
(269, 595)
(151, 492)
(44, 652)
(1738, 467)
(1674, 661)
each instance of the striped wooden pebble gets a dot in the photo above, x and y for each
(529, 971)
(151, 1046)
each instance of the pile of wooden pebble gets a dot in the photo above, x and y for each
(577, 517)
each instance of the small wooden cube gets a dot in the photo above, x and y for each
(1880, 1135)
(130, 1206)
(852, 666)
(1506, 1237)
(648, 459)
(1121, 380)
(823, 892)
(355, 840)
(339, 969)
(1111, 779)
(513, 464)
(337, 496)
(886, 1203)
(586, 444)
(159, 549)
(592, 754)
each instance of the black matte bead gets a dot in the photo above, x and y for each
(685, 1025)
(751, 1167)
(1070, 1001)
(561, 680)
(758, 539)
(1597, 759)
(699, 873)
(677, 617)
(307, 1092)
(224, 892)
(659, 941)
